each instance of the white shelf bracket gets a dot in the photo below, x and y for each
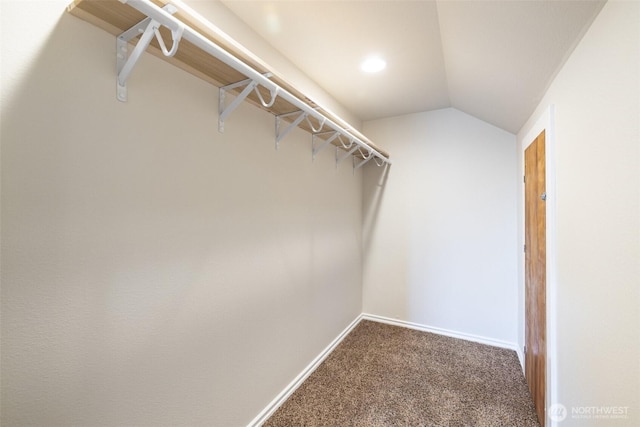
(340, 158)
(125, 63)
(280, 134)
(320, 125)
(274, 95)
(379, 163)
(251, 85)
(346, 146)
(358, 165)
(223, 112)
(316, 148)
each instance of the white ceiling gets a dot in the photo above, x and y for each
(491, 59)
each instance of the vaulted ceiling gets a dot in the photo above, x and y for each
(491, 59)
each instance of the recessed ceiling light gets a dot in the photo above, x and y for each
(373, 64)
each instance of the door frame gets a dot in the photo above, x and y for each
(546, 122)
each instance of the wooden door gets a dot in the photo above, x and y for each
(535, 273)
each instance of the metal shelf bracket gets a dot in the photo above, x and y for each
(317, 147)
(251, 85)
(223, 112)
(320, 125)
(358, 165)
(280, 134)
(340, 158)
(125, 63)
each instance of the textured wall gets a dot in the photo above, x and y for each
(154, 271)
(440, 235)
(596, 97)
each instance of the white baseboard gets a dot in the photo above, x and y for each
(289, 389)
(293, 385)
(448, 333)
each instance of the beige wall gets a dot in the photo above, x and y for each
(440, 234)
(596, 96)
(154, 271)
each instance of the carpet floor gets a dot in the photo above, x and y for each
(382, 375)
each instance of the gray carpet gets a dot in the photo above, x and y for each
(382, 375)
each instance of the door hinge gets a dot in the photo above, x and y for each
(524, 179)
(524, 248)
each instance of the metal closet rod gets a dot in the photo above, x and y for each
(156, 13)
